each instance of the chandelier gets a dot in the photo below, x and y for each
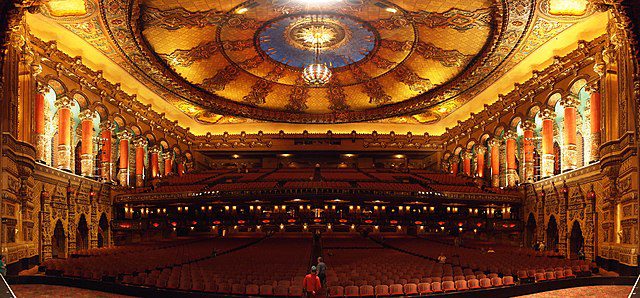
(317, 74)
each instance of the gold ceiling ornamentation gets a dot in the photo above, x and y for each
(448, 58)
(148, 34)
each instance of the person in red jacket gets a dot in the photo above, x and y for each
(311, 283)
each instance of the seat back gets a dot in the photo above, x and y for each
(496, 281)
(485, 282)
(424, 287)
(366, 290)
(396, 289)
(266, 290)
(473, 283)
(448, 285)
(252, 289)
(410, 288)
(382, 290)
(461, 284)
(351, 291)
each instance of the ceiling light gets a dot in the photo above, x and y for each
(391, 9)
(316, 74)
(235, 156)
(242, 10)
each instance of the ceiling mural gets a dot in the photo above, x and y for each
(391, 61)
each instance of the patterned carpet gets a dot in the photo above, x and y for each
(585, 292)
(42, 291)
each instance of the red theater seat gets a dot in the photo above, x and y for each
(367, 291)
(448, 286)
(351, 291)
(411, 289)
(424, 288)
(266, 290)
(474, 284)
(396, 290)
(382, 290)
(461, 285)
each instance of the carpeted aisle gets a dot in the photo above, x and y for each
(585, 292)
(37, 291)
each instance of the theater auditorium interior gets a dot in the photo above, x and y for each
(200, 148)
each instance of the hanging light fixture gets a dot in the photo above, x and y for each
(317, 73)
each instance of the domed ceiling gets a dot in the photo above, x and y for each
(245, 58)
(385, 56)
(393, 61)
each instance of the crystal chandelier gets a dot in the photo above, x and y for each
(317, 74)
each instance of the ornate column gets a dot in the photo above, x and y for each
(547, 161)
(494, 146)
(570, 104)
(180, 162)
(155, 167)
(455, 163)
(596, 113)
(64, 104)
(466, 162)
(123, 167)
(528, 126)
(40, 123)
(140, 143)
(480, 151)
(86, 151)
(512, 169)
(106, 161)
(168, 162)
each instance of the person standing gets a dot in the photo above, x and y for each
(311, 283)
(322, 271)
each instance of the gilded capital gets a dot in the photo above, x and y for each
(455, 159)
(155, 149)
(87, 115)
(570, 101)
(493, 142)
(42, 88)
(467, 155)
(167, 155)
(481, 150)
(140, 142)
(107, 125)
(547, 114)
(510, 135)
(64, 102)
(528, 125)
(125, 135)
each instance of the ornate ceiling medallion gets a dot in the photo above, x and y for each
(293, 39)
(317, 31)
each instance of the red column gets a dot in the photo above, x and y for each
(168, 162)
(123, 167)
(480, 151)
(466, 165)
(140, 143)
(106, 136)
(155, 167)
(40, 124)
(180, 162)
(455, 163)
(570, 125)
(494, 146)
(596, 113)
(528, 146)
(86, 151)
(512, 146)
(548, 117)
(64, 132)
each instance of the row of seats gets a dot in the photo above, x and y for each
(420, 288)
